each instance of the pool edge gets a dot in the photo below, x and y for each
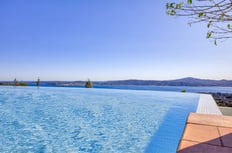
(207, 105)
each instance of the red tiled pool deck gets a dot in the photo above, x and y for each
(206, 133)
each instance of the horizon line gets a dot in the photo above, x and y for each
(115, 80)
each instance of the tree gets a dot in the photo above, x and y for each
(216, 14)
(88, 84)
(38, 82)
(15, 82)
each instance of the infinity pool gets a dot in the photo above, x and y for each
(92, 120)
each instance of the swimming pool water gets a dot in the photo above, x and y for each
(92, 120)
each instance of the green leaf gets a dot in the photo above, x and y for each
(167, 5)
(190, 2)
(209, 34)
(209, 24)
(228, 26)
(178, 6)
(172, 5)
(172, 12)
(200, 14)
(221, 16)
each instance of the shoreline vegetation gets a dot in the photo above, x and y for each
(14, 84)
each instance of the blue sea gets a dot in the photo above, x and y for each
(213, 89)
(194, 89)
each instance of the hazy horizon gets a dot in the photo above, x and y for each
(105, 40)
(111, 80)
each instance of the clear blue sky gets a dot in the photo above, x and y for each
(104, 40)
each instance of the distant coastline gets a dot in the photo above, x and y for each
(189, 81)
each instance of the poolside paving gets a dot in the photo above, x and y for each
(207, 133)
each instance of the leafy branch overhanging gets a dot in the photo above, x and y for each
(217, 14)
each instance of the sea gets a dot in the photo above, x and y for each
(193, 89)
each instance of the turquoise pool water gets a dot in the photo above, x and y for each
(92, 120)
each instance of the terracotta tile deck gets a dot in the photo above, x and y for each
(206, 133)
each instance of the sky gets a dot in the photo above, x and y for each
(105, 40)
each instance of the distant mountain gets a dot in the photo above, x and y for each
(178, 82)
(189, 81)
